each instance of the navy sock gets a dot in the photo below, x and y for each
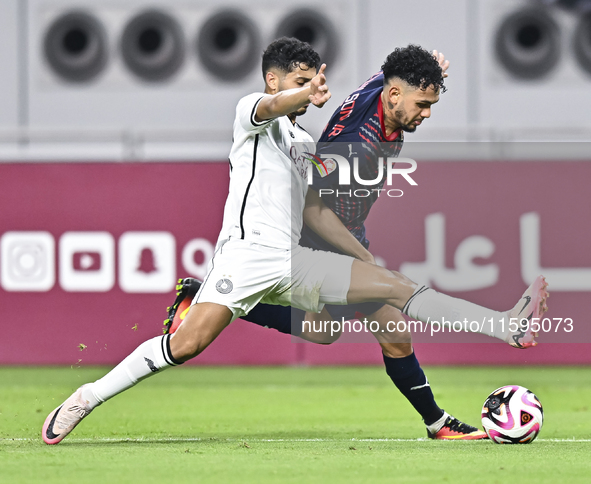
(408, 376)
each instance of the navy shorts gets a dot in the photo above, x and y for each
(288, 320)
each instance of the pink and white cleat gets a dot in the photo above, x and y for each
(531, 307)
(64, 418)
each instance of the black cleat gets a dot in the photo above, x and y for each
(186, 290)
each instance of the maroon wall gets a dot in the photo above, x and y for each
(486, 199)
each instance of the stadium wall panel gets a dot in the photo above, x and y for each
(90, 253)
(183, 84)
(428, 24)
(527, 72)
(11, 68)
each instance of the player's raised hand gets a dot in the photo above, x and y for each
(319, 93)
(444, 64)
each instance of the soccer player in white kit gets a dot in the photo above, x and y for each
(257, 258)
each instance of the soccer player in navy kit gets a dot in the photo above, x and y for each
(364, 123)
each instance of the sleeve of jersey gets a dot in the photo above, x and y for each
(246, 110)
(345, 121)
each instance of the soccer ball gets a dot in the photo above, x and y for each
(512, 415)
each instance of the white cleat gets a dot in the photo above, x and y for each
(531, 307)
(64, 418)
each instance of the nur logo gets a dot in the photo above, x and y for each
(327, 163)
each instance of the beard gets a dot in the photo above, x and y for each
(409, 128)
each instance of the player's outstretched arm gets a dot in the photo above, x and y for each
(290, 100)
(325, 223)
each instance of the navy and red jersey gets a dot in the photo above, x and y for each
(356, 129)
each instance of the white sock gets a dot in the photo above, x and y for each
(428, 305)
(149, 358)
(436, 426)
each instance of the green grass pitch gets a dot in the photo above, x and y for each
(288, 425)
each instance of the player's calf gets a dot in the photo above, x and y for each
(203, 323)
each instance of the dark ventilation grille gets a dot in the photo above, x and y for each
(75, 46)
(312, 27)
(228, 45)
(528, 43)
(152, 46)
(582, 42)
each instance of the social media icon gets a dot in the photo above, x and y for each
(87, 261)
(147, 262)
(196, 256)
(28, 261)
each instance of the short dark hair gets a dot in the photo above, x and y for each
(287, 53)
(415, 66)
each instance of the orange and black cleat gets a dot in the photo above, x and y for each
(453, 429)
(186, 290)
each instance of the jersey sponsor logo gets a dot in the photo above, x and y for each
(224, 286)
(336, 130)
(299, 154)
(347, 107)
(325, 167)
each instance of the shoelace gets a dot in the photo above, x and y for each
(71, 415)
(455, 425)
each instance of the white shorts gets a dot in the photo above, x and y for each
(243, 274)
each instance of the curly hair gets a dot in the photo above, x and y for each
(415, 66)
(287, 53)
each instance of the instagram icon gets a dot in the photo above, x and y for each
(28, 261)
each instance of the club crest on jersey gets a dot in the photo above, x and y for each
(224, 286)
(325, 167)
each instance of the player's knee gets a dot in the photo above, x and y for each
(398, 287)
(184, 349)
(401, 277)
(397, 350)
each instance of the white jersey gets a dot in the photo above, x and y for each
(268, 180)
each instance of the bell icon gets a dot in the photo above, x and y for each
(147, 262)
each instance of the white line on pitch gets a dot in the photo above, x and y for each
(246, 439)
